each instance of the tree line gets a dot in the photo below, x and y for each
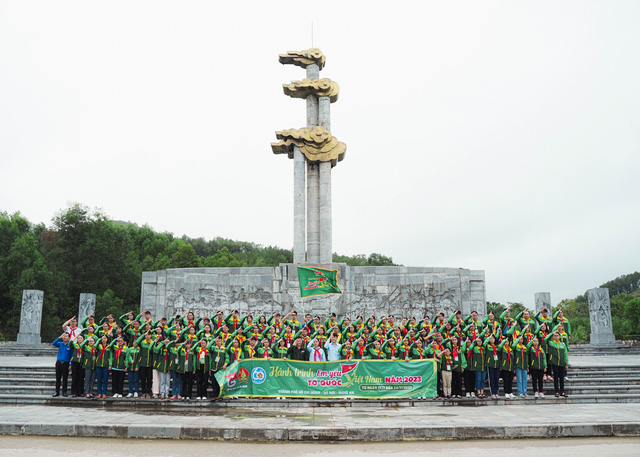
(83, 250)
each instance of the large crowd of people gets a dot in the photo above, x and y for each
(164, 358)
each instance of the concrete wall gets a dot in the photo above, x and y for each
(404, 291)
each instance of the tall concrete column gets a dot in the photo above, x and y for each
(313, 213)
(313, 179)
(326, 253)
(299, 193)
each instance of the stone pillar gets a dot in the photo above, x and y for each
(542, 300)
(600, 316)
(313, 213)
(87, 306)
(326, 253)
(313, 177)
(299, 193)
(31, 317)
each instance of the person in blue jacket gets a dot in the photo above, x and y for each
(62, 363)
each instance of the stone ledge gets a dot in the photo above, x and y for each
(328, 433)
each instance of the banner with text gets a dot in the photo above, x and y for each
(318, 281)
(340, 379)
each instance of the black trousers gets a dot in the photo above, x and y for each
(62, 375)
(537, 378)
(558, 378)
(440, 389)
(214, 385)
(187, 384)
(77, 379)
(456, 383)
(202, 381)
(469, 381)
(117, 381)
(146, 379)
(507, 381)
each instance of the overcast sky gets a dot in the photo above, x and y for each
(501, 136)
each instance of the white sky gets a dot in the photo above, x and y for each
(502, 136)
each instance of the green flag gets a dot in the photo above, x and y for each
(318, 281)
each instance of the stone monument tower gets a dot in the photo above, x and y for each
(314, 150)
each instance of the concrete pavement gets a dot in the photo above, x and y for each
(333, 424)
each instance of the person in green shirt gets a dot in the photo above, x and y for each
(145, 363)
(448, 365)
(202, 369)
(102, 366)
(219, 361)
(88, 358)
(375, 351)
(522, 365)
(131, 361)
(117, 365)
(163, 365)
(507, 367)
(537, 366)
(559, 361)
(77, 371)
(478, 365)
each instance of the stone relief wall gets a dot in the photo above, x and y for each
(400, 291)
(86, 306)
(600, 316)
(31, 317)
(542, 300)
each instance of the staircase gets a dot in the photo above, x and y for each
(596, 383)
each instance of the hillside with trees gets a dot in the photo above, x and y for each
(82, 250)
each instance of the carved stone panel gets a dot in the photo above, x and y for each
(600, 316)
(401, 291)
(31, 317)
(87, 306)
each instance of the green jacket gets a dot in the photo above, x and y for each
(476, 357)
(558, 354)
(521, 354)
(163, 360)
(145, 357)
(118, 359)
(537, 358)
(132, 358)
(492, 358)
(507, 357)
(218, 356)
(102, 355)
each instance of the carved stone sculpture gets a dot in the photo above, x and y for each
(600, 316)
(317, 144)
(87, 306)
(31, 317)
(319, 87)
(543, 300)
(304, 58)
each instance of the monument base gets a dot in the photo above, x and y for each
(28, 339)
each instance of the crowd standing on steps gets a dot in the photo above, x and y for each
(164, 358)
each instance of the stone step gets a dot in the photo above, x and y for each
(208, 407)
(548, 389)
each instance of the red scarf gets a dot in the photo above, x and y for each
(104, 348)
(118, 351)
(347, 353)
(265, 353)
(316, 355)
